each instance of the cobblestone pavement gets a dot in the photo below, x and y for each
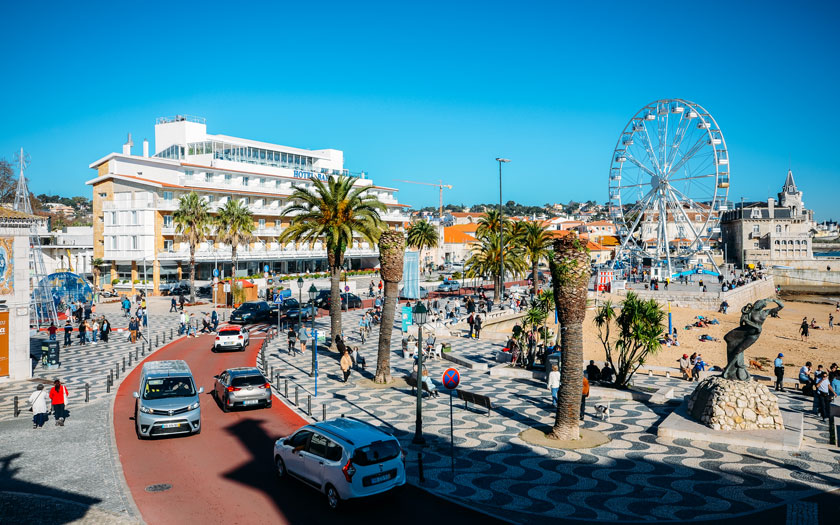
(643, 477)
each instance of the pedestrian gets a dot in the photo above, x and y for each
(304, 338)
(477, 327)
(52, 331)
(471, 322)
(38, 403)
(106, 330)
(554, 383)
(82, 332)
(214, 320)
(292, 341)
(345, 363)
(584, 395)
(94, 331)
(831, 321)
(133, 326)
(58, 400)
(173, 306)
(803, 329)
(68, 331)
(825, 394)
(779, 370)
(182, 301)
(145, 316)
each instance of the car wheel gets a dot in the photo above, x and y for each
(214, 349)
(137, 423)
(332, 497)
(280, 467)
(225, 407)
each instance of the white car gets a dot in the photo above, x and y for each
(342, 458)
(231, 337)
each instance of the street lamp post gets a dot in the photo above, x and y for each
(501, 160)
(313, 292)
(419, 315)
(300, 299)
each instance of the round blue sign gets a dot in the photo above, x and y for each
(451, 378)
(215, 272)
(265, 268)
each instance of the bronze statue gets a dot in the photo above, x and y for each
(741, 338)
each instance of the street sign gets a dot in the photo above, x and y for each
(227, 287)
(265, 268)
(215, 272)
(216, 280)
(278, 299)
(346, 288)
(265, 275)
(451, 378)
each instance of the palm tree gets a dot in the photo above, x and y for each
(333, 211)
(488, 225)
(235, 224)
(535, 241)
(391, 255)
(192, 221)
(422, 234)
(97, 264)
(485, 257)
(570, 278)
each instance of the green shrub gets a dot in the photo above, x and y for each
(456, 275)
(115, 282)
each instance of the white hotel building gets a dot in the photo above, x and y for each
(135, 196)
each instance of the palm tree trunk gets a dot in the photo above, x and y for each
(497, 279)
(386, 328)
(535, 284)
(335, 302)
(192, 272)
(566, 419)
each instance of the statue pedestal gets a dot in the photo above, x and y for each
(725, 404)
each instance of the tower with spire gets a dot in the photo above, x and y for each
(790, 197)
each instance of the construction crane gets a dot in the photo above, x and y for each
(440, 186)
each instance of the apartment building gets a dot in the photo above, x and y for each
(135, 197)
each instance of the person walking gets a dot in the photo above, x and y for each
(304, 338)
(173, 305)
(94, 331)
(214, 320)
(52, 331)
(554, 383)
(584, 395)
(292, 341)
(132, 329)
(825, 394)
(68, 332)
(38, 403)
(105, 329)
(471, 322)
(82, 332)
(803, 329)
(779, 370)
(831, 321)
(477, 327)
(58, 399)
(345, 363)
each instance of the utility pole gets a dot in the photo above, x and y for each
(440, 186)
(501, 160)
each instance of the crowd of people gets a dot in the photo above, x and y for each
(822, 384)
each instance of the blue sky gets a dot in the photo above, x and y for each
(428, 91)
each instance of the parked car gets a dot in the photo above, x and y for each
(242, 387)
(288, 304)
(322, 298)
(231, 337)
(448, 286)
(348, 300)
(343, 458)
(307, 313)
(205, 291)
(251, 312)
(167, 400)
(179, 289)
(423, 293)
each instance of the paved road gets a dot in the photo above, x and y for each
(225, 474)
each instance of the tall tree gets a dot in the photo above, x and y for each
(535, 241)
(570, 277)
(97, 264)
(486, 255)
(235, 224)
(192, 222)
(422, 235)
(333, 211)
(391, 255)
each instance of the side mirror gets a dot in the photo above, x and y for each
(216, 376)
(201, 390)
(136, 395)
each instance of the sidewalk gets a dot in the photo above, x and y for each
(636, 476)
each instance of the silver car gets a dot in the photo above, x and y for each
(167, 402)
(242, 387)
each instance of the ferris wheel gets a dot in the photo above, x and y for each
(669, 182)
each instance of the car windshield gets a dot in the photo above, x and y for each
(376, 453)
(168, 387)
(240, 381)
(291, 303)
(248, 306)
(229, 332)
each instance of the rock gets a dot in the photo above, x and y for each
(728, 405)
(749, 415)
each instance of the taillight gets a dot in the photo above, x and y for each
(348, 470)
(267, 385)
(240, 337)
(218, 338)
(233, 389)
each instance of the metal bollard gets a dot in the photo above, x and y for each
(117, 371)
(123, 368)
(136, 358)
(170, 333)
(143, 352)
(286, 388)
(16, 411)
(272, 373)
(309, 405)
(323, 412)
(108, 384)
(87, 393)
(156, 340)
(296, 396)
(420, 466)
(650, 373)
(111, 376)
(129, 358)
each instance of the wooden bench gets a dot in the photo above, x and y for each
(475, 399)
(413, 384)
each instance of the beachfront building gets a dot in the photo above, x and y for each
(69, 249)
(135, 197)
(773, 232)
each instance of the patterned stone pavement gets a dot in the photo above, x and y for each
(635, 477)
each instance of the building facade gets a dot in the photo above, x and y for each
(776, 232)
(68, 249)
(135, 197)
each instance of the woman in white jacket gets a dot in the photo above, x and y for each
(38, 400)
(554, 383)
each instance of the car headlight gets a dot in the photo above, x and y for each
(193, 406)
(246, 315)
(145, 410)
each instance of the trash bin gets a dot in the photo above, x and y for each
(551, 360)
(51, 349)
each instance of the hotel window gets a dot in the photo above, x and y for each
(228, 178)
(168, 245)
(262, 224)
(262, 182)
(111, 242)
(168, 196)
(188, 173)
(134, 217)
(778, 228)
(756, 229)
(284, 158)
(245, 181)
(210, 199)
(245, 201)
(208, 177)
(167, 221)
(133, 242)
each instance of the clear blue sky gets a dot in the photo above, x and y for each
(427, 91)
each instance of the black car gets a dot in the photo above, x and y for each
(288, 303)
(322, 300)
(205, 291)
(179, 289)
(348, 300)
(306, 314)
(251, 312)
